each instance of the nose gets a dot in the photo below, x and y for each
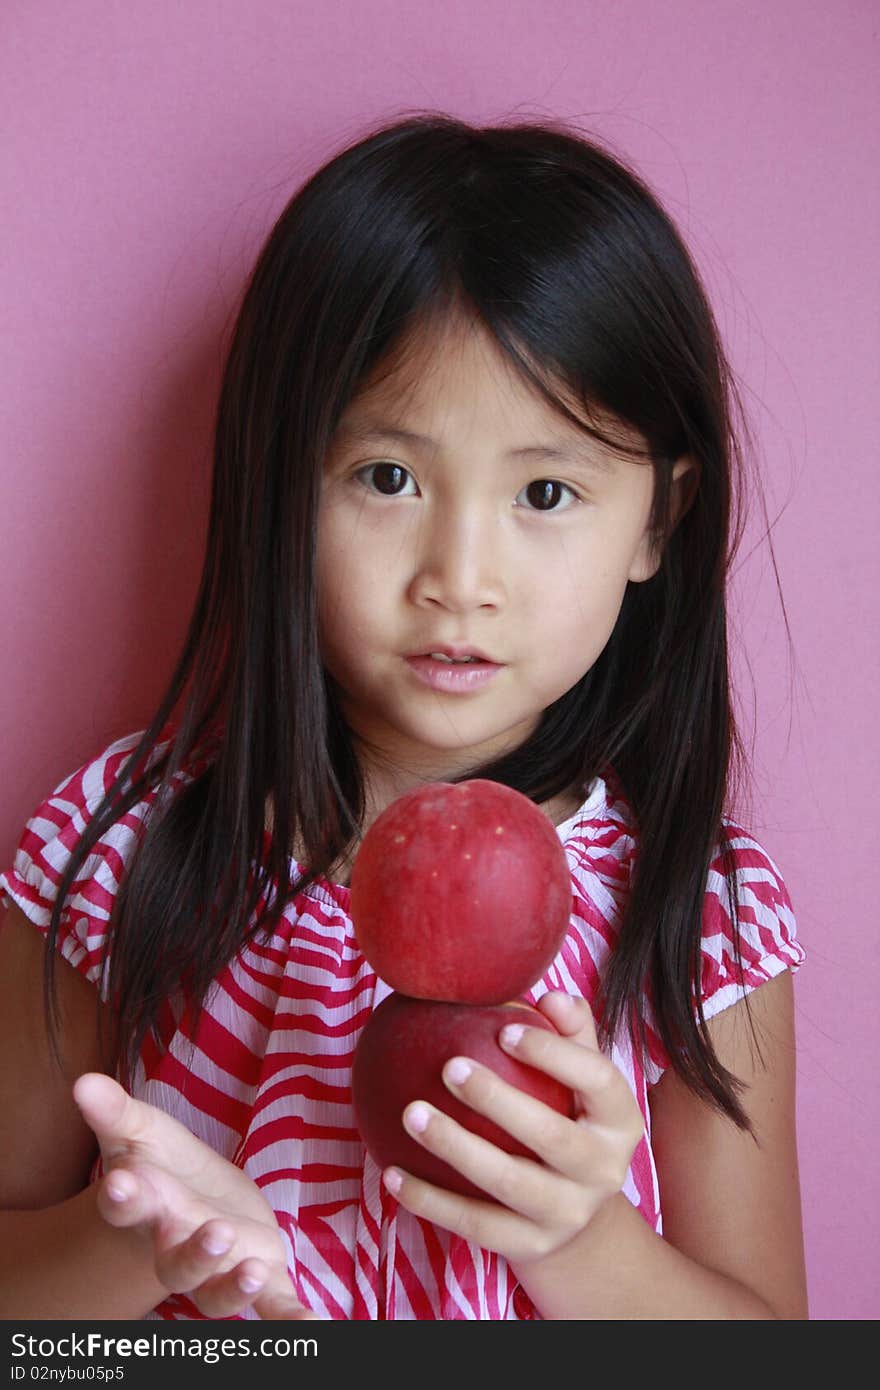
(459, 563)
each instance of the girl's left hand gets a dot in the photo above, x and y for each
(538, 1207)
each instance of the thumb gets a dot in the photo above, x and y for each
(570, 1015)
(109, 1110)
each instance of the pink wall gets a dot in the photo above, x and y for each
(146, 151)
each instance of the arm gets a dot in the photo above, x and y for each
(58, 1259)
(116, 1249)
(732, 1246)
(64, 1262)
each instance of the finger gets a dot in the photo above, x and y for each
(251, 1284)
(567, 1148)
(232, 1291)
(202, 1256)
(570, 1015)
(116, 1118)
(128, 1198)
(486, 1223)
(604, 1091)
(122, 1124)
(197, 1264)
(277, 1304)
(104, 1107)
(537, 1192)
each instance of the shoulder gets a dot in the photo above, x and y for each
(748, 932)
(749, 926)
(748, 929)
(746, 903)
(54, 830)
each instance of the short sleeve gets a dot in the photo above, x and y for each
(45, 848)
(768, 941)
(768, 931)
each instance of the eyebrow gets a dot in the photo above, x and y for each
(557, 452)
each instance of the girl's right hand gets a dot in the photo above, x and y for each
(213, 1234)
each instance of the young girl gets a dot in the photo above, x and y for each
(472, 516)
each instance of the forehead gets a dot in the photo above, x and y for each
(435, 356)
(451, 371)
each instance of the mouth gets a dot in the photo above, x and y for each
(454, 671)
(452, 660)
(455, 656)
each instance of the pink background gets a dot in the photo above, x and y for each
(146, 150)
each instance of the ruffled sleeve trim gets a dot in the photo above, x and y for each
(49, 839)
(768, 941)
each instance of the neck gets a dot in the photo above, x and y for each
(558, 810)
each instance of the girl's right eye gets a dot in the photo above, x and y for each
(388, 479)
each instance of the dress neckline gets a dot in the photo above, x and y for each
(331, 893)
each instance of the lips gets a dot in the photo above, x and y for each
(455, 671)
(455, 653)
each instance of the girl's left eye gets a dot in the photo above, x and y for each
(544, 495)
(388, 479)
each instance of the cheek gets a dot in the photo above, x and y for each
(350, 591)
(333, 580)
(585, 584)
(577, 609)
(338, 554)
(348, 547)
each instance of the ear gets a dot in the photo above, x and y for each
(682, 491)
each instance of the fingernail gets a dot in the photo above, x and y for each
(392, 1180)
(116, 1194)
(511, 1034)
(458, 1070)
(248, 1284)
(416, 1118)
(568, 1000)
(216, 1245)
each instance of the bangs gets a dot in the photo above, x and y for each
(564, 390)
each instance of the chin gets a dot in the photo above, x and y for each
(473, 743)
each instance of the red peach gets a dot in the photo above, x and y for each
(461, 892)
(399, 1057)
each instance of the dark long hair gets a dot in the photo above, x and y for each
(561, 252)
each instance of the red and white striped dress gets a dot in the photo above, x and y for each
(266, 1077)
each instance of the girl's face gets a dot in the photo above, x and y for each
(471, 535)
